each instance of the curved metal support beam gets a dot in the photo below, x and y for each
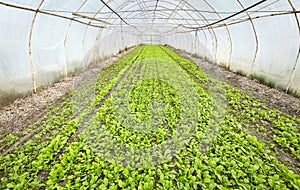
(48, 13)
(30, 47)
(298, 54)
(196, 21)
(228, 32)
(255, 38)
(66, 37)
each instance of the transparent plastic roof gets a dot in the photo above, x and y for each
(182, 15)
(39, 37)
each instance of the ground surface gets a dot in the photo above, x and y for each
(16, 116)
(275, 98)
(152, 120)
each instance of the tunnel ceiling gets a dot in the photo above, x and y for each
(162, 16)
(53, 38)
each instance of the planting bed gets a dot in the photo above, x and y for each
(154, 120)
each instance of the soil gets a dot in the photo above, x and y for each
(16, 116)
(274, 98)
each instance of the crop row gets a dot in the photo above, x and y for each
(22, 168)
(153, 120)
(112, 153)
(283, 129)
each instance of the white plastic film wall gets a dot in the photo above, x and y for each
(37, 49)
(43, 41)
(266, 47)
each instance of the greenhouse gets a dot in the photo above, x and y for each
(150, 94)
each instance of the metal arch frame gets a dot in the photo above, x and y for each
(174, 12)
(141, 13)
(30, 46)
(214, 40)
(134, 19)
(65, 17)
(103, 6)
(255, 38)
(145, 13)
(193, 8)
(298, 55)
(125, 4)
(228, 32)
(212, 34)
(86, 29)
(210, 29)
(156, 18)
(196, 37)
(66, 37)
(186, 10)
(122, 5)
(140, 6)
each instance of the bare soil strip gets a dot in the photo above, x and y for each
(44, 174)
(15, 117)
(275, 98)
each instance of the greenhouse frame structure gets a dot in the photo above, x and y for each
(43, 41)
(141, 94)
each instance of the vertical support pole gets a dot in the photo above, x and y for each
(33, 77)
(255, 37)
(298, 55)
(122, 37)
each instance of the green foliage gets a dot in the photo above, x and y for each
(57, 157)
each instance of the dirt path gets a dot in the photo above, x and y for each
(275, 98)
(16, 116)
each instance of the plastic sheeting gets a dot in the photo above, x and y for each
(46, 40)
